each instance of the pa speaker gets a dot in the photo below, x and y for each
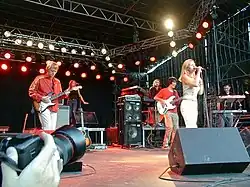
(63, 116)
(131, 134)
(208, 151)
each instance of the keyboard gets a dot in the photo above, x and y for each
(231, 98)
(229, 111)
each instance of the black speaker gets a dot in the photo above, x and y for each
(208, 151)
(245, 135)
(131, 134)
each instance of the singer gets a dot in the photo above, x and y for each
(192, 85)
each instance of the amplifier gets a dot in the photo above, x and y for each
(63, 116)
(135, 98)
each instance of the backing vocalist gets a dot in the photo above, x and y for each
(192, 85)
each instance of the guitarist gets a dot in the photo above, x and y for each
(171, 118)
(40, 88)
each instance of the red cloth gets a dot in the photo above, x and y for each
(42, 86)
(165, 94)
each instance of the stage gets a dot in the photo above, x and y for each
(139, 167)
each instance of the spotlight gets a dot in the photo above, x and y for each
(18, 41)
(83, 75)
(28, 59)
(137, 63)
(73, 51)
(7, 55)
(7, 34)
(112, 78)
(67, 73)
(125, 79)
(59, 63)
(110, 65)
(51, 47)
(83, 52)
(42, 71)
(4, 67)
(172, 44)
(63, 50)
(169, 24)
(120, 66)
(205, 25)
(92, 67)
(152, 59)
(98, 76)
(170, 34)
(198, 35)
(76, 65)
(174, 53)
(40, 45)
(103, 51)
(29, 43)
(107, 58)
(23, 68)
(92, 54)
(113, 71)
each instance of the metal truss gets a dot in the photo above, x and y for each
(56, 40)
(149, 43)
(99, 13)
(202, 11)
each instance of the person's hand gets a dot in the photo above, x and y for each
(67, 92)
(199, 68)
(43, 171)
(45, 99)
(86, 103)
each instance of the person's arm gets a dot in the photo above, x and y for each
(201, 91)
(33, 90)
(158, 96)
(190, 81)
(80, 96)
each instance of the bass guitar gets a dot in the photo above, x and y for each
(168, 104)
(42, 106)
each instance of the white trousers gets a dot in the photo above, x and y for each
(189, 112)
(48, 120)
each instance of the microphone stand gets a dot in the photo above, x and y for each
(205, 111)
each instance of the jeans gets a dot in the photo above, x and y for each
(226, 120)
(72, 110)
(48, 120)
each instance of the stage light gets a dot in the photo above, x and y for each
(137, 63)
(63, 50)
(51, 47)
(169, 24)
(110, 65)
(198, 35)
(29, 43)
(172, 44)
(67, 73)
(59, 63)
(170, 34)
(76, 65)
(92, 67)
(40, 45)
(23, 68)
(28, 59)
(191, 46)
(92, 54)
(120, 66)
(73, 51)
(18, 41)
(98, 76)
(4, 67)
(83, 52)
(205, 25)
(125, 79)
(42, 71)
(112, 78)
(152, 59)
(107, 58)
(7, 34)
(174, 53)
(83, 75)
(113, 71)
(7, 55)
(103, 51)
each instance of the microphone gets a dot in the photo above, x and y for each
(201, 68)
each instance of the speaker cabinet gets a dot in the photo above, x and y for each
(63, 116)
(131, 134)
(208, 151)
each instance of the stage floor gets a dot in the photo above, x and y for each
(116, 167)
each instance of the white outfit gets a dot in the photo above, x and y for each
(48, 119)
(189, 106)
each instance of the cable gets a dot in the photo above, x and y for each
(81, 175)
(228, 181)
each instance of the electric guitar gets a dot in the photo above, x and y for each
(42, 106)
(168, 105)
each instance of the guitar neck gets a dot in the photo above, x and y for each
(57, 96)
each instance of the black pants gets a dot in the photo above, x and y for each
(73, 105)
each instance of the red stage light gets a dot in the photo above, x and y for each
(98, 76)
(191, 46)
(83, 75)
(112, 78)
(125, 79)
(152, 59)
(59, 63)
(120, 66)
(23, 68)
(67, 73)
(92, 67)
(205, 25)
(137, 63)
(198, 35)
(42, 71)
(4, 66)
(7, 55)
